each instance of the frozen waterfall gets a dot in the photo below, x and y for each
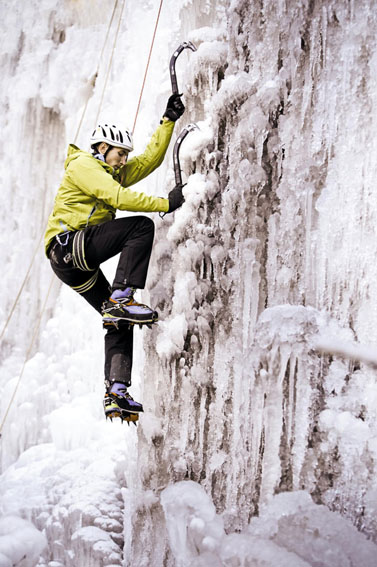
(258, 445)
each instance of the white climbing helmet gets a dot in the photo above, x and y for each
(113, 136)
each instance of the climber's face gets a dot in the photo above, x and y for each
(116, 157)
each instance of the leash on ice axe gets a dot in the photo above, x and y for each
(187, 129)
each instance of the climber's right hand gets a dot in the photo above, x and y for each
(175, 107)
(176, 198)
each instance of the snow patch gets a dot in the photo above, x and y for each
(20, 542)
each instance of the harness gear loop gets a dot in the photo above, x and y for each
(63, 236)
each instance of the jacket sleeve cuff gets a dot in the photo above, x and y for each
(164, 205)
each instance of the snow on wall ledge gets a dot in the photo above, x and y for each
(291, 531)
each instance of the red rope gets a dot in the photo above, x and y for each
(146, 69)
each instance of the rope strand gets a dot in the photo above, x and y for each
(97, 71)
(35, 331)
(147, 67)
(110, 63)
(21, 288)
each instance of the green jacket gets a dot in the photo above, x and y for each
(91, 190)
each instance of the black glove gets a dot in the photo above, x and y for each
(176, 198)
(175, 107)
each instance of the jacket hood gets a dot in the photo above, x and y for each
(74, 152)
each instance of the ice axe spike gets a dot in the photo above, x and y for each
(173, 59)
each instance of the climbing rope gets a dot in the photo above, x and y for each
(147, 67)
(21, 288)
(35, 331)
(98, 68)
(110, 63)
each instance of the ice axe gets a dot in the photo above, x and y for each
(177, 146)
(174, 57)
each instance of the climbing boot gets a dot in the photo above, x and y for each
(119, 403)
(122, 307)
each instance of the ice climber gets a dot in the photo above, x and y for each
(82, 232)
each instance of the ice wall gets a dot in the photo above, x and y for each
(273, 247)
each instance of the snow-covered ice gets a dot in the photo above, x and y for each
(197, 536)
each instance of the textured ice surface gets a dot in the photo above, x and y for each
(259, 382)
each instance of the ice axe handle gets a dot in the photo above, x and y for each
(177, 146)
(177, 165)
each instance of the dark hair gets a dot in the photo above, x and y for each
(95, 150)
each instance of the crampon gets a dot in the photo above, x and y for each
(122, 308)
(112, 410)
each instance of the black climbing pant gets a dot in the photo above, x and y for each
(75, 258)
